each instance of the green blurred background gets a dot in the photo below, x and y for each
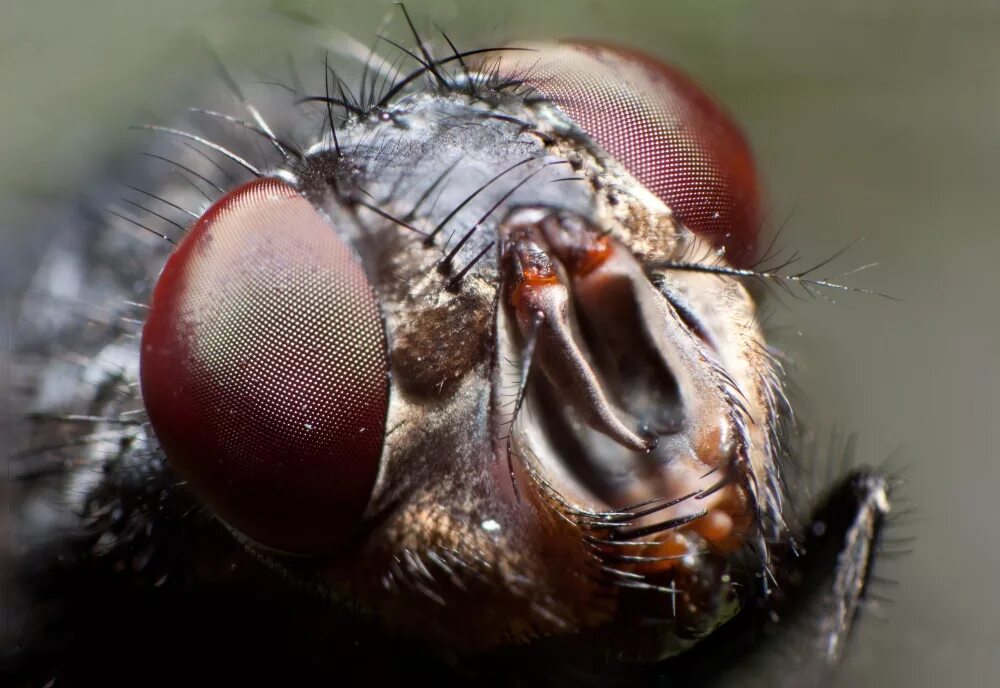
(874, 121)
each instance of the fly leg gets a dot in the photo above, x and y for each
(839, 557)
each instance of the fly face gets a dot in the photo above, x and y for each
(510, 376)
(478, 359)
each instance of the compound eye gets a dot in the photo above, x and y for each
(664, 129)
(264, 369)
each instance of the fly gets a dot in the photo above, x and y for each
(459, 362)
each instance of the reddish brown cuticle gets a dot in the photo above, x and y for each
(592, 257)
(714, 526)
(263, 369)
(532, 280)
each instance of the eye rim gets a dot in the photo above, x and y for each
(303, 535)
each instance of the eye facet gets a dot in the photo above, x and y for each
(664, 129)
(264, 369)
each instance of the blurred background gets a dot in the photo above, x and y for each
(876, 124)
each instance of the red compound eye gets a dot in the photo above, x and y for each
(664, 129)
(264, 371)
